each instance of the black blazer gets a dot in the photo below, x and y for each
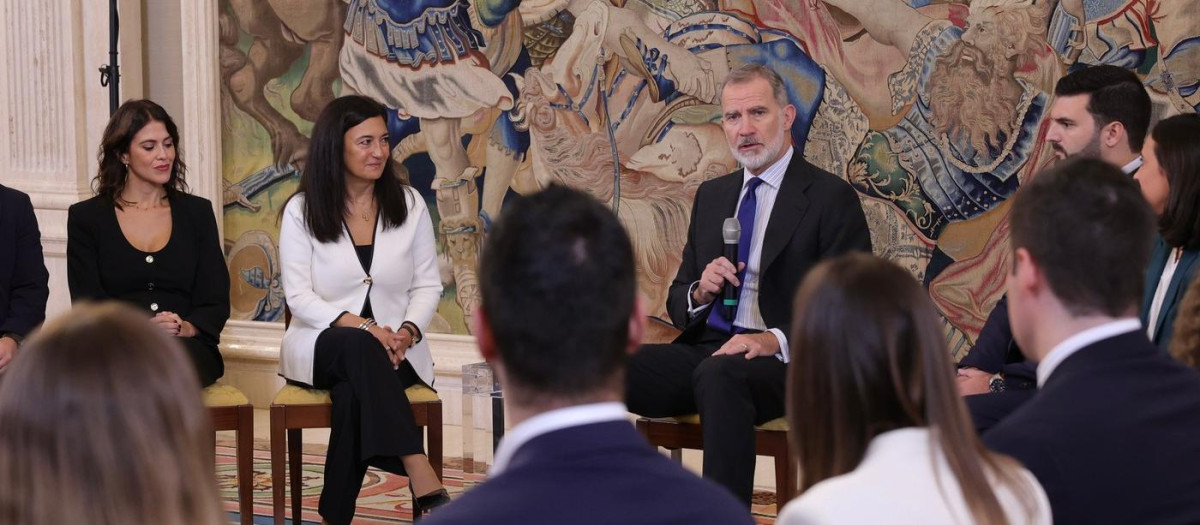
(995, 351)
(188, 276)
(816, 216)
(601, 473)
(23, 276)
(1112, 435)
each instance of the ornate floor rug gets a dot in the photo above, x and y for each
(384, 498)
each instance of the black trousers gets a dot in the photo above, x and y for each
(372, 424)
(991, 408)
(731, 394)
(207, 359)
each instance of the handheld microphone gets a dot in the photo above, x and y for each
(731, 231)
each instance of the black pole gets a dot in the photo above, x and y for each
(110, 74)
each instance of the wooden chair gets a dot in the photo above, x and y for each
(229, 409)
(296, 408)
(771, 439)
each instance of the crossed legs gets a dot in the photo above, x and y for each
(731, 394)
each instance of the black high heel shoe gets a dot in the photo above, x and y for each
(423, 505)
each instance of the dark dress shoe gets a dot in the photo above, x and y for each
(423, 505)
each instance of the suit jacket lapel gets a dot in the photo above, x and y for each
(1179, 283)
(789, 208)
(1158, 260)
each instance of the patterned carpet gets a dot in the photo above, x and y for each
(384, 498)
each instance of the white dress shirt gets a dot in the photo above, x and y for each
(1077, 342)
(548, 422)
(748, 314)
(904, 478)
(1160, 292)
(1133, 165)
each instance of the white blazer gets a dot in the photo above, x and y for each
(904, 478)
(322, 280)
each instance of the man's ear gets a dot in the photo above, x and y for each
(789, 117)
(1113, 134)
(637, 326)
(481, 327)
(1027, 275)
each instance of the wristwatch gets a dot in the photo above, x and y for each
(996, 383)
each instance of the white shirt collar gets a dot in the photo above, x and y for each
(1077, 342)
(1133, 165)
(773, 175)
(548, 422)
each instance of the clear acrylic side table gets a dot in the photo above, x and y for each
(482, 420)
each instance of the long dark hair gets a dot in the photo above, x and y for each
(129, 119)
(1177, 146)
(323, 182)
(869, 356)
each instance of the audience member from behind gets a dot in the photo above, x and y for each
(558, 321)
(23, 276)
(101, 423)
(1111, 434)
(1170, 181)
(1185, 345)
(145, 241)
(875, 415)
(1099, 112)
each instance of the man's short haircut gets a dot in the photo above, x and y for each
(1090, 231)
(750, 71)
(1177, 148)
(558, 286)
(1116, 95)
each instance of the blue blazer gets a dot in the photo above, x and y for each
(23, 276)
(1184, 273)
(1111, 435)
(601, 474)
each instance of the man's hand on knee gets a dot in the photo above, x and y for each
(753, 345)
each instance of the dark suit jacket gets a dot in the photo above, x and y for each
(816, 216)
(23, 276)
(602, 473)
(1112, 435)
(995, 351)
(188, 276)
(1189, 263)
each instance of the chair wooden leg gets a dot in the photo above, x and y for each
(278, 453)
(785, 480)
(295, 462)
(245, 463)
(434, 431)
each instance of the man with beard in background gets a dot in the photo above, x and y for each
(1099, 112)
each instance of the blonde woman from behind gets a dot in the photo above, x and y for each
(101, 423)
(879, 429)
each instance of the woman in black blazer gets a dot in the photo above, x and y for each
(145, 241)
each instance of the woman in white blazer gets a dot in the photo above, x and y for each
(361, 278)
(876, 421)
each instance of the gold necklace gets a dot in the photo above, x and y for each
(364, 212)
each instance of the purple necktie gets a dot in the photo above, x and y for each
(745, 215)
